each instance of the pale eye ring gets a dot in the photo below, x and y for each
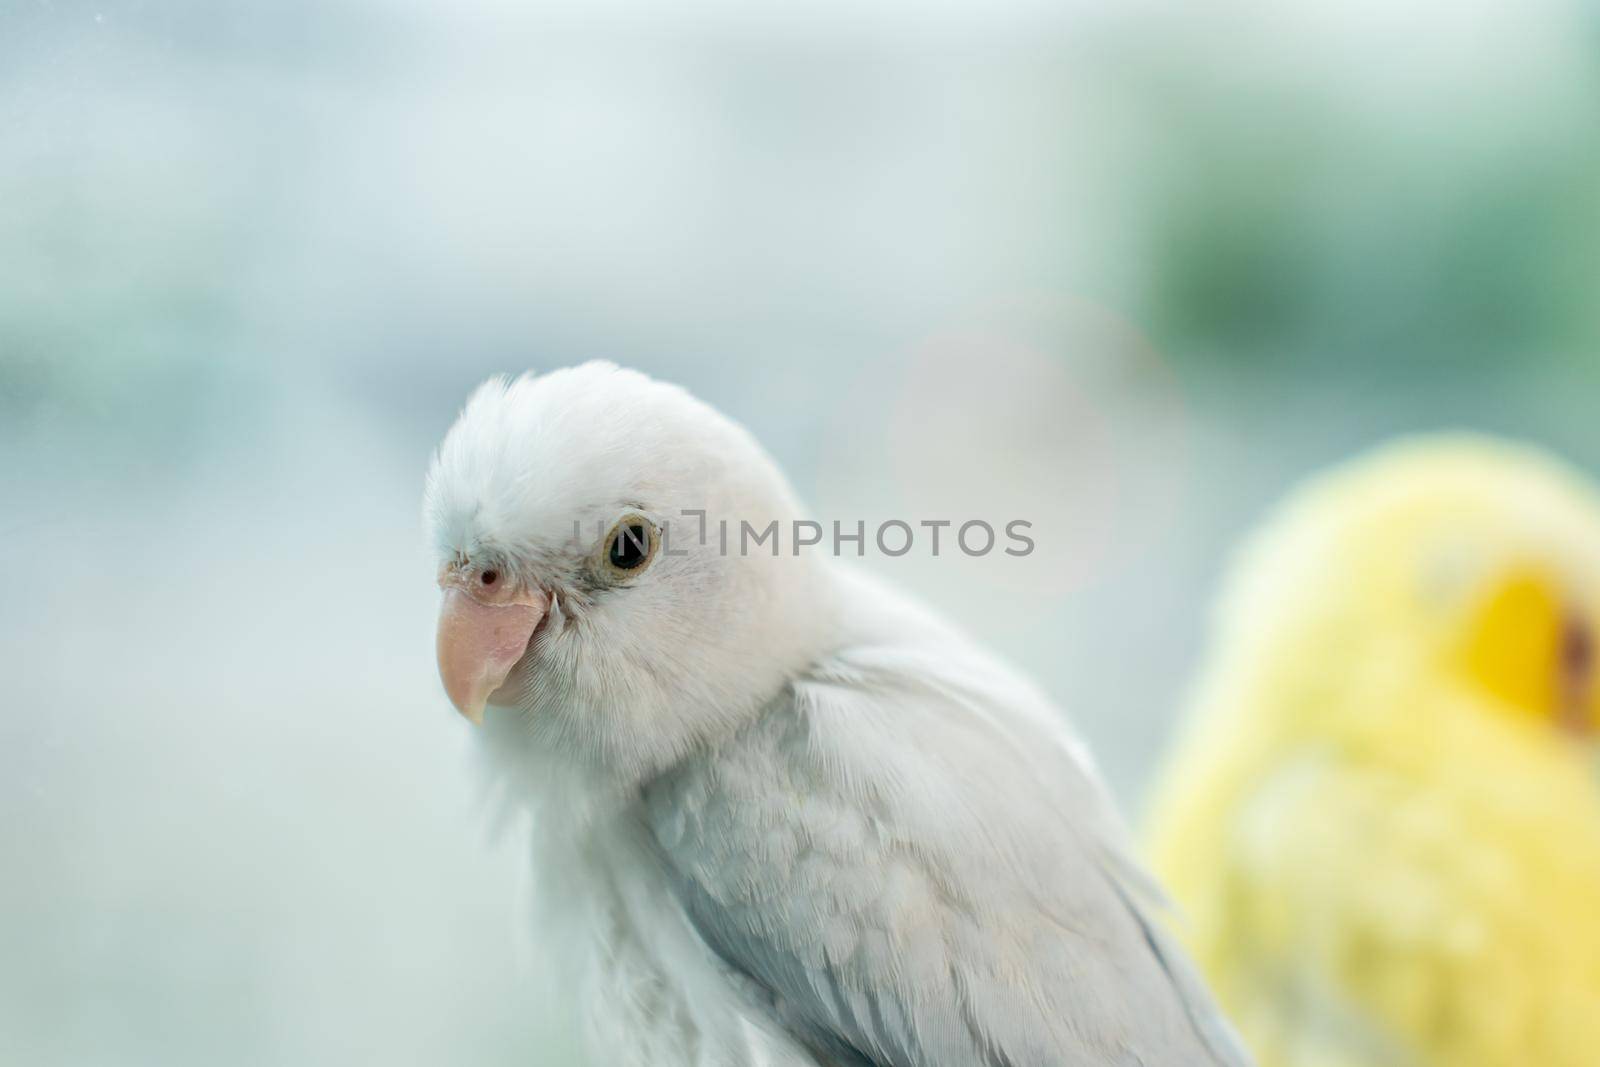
(629, 547)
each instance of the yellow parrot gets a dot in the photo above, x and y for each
(1382, 822)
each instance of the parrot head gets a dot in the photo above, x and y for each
(1459, 558)
(587, 582)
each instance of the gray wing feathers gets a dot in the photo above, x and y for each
(908, 884)
(1223, 1044)
(794, 994)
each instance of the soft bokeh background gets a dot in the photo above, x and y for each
(1124, 270)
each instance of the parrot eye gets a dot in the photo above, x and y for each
(1577, 649)
(489, 577)
(630, 546)
(1577, 686)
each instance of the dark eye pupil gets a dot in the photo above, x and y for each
(1577, 648)
(631, 546)
(490, 577)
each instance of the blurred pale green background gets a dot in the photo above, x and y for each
(1125, 270)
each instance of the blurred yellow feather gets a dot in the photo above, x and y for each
(1382, 824)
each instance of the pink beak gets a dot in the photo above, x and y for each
(481, 638)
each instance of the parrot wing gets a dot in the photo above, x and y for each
(912, 873)
(1371, 918)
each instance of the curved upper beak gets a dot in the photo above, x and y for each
(480, 642)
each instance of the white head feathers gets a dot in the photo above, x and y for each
(628, 670)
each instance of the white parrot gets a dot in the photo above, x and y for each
(782, 815)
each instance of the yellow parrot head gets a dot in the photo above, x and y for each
(1507, 582)
(1461, 556)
